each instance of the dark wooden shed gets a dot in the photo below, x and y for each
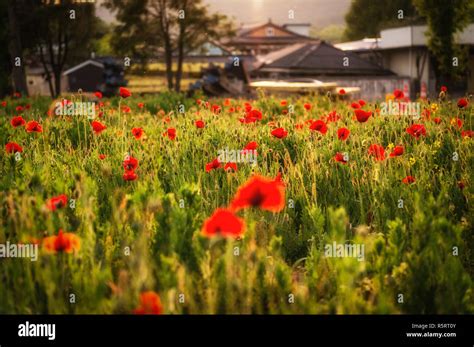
(88, 76)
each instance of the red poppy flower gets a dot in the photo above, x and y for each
(362, 116)
(279, 133)
(342, 91)
(320, 126)
(98, 95)
(343, 133)
(57, 202)
(17, 95)
(213, 165)
(307, 106)
(251, 146)
(33, 127)
(299, 126)
(437, 120)
(98, 127)
(171, 133)
(398, 94)
(63, 242)
(230, 166)
(140, 105)
(19, 108)
(3, 103)
(124, 92)
(462, 103)
(232, 109)
(283, 103)
(126, 109)
(339, 157)
(397, 151)
(444, 89)
(361, 102)
(408, 180)
(65, 102)
(467, 133)
(17, 121)
(457, 122)
(199, 124)
(102, 156)
(252, 116)
(13, 147)
(223, 223)
(355, 105)
(227, 102)
(129, 175)
(416, 130)
(377, 151)
(130, 163)
(267, 194)
(332, 117)
(137, 133)
(216, 109)
(150, 303)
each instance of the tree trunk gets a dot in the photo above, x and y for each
(179, 70)
(162, 7)
(169, 65)
(181, 40)
(15, 48)
(46, 70)
(57, 83)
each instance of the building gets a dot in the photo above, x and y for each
(103, 74)
(323, 62)
(37, 82)
(313, 59)
(265, 38)
(87, 76)
(404, 51)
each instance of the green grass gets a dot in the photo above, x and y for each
(408, 250)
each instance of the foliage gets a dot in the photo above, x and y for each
(159, 216)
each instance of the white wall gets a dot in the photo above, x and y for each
(403, 62)
(299, 29)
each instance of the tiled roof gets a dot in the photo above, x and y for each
(318, 57)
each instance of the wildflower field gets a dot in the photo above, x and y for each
(135, 211)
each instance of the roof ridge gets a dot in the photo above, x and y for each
(311, 49)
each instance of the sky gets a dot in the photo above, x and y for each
(319, 13)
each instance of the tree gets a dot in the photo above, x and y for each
(172, 28)
(445, 19)
(59, 32)
(367, 17)
(5, 61)
(15, 48)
